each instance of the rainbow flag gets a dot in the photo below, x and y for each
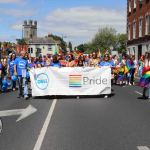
(127, 67)
(75, 80)
(145, 79)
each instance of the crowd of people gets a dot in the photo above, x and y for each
(14, 70)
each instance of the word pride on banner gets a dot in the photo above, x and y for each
(70, 81)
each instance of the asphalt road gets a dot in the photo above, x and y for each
(121, 122)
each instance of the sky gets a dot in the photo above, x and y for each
(75, 20)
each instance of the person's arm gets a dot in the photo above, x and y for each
(15, 70)
(8, 68)
(0, 73)
(15, 67)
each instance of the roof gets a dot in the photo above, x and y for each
(42, 40)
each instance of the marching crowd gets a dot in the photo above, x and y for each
(14, 70)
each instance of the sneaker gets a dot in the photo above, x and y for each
(106, 96)
(78, 97)
(19, 96)
(130, 83)
(26, 97)
(14, 89)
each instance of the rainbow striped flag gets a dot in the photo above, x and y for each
(127, 67)
(145, 79)
(75, 80)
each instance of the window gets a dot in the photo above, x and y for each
(134, 30)
(129, 33)
(31, 50)
(134, 4)
(147, 25)
(140, 27)
(140, 3)
(129, 6)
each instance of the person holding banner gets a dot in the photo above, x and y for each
(106, 63)
(20, 70)
(55, 62)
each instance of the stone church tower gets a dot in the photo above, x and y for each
(29, 29)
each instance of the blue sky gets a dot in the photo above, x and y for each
(78, 20)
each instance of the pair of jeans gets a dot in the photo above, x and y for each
(13, 83)
(23, 86)
(132, 75)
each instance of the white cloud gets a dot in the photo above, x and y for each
(11, 1)
(17, 13)
(83, 22)
(17, 26)
(79, 24)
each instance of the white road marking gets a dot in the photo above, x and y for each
(45, 126)
(138, 93)
(142, 148)
(24, 113)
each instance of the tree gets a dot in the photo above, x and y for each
(21, 42)
(122, 42)
(104, 39)
(63, 44)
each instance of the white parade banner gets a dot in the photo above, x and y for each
(70, 81)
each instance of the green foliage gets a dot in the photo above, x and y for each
(63, 44)
(104, 39)
(21, 41)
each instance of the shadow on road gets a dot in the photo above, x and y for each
(73, 97)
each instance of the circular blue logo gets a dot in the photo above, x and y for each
(42, 81)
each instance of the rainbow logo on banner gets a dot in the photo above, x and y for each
(75, 80)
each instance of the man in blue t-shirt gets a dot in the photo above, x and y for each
(106, 62)
(20, 70)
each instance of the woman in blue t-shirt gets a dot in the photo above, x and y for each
(55, 62)
(10, 69)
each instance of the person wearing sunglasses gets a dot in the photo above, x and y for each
(107, 63)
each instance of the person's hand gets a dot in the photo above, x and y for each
(15, 73)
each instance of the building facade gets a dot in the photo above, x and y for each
(138, 27)
(38, 45)
(42, 46)
(29, 29)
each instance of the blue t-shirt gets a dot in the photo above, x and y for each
(55, 64)
(106, 63)
(11, 66)
(1, 66)
(21, 64)
(31, 65)
(42, 63)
